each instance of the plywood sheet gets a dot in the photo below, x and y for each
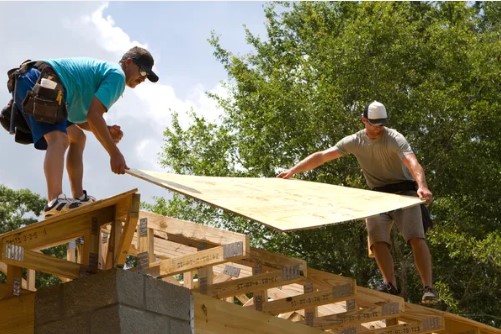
(282, 204)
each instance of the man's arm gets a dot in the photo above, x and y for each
(97, 124)
(417, 171)
(115, 131)
(311, 162)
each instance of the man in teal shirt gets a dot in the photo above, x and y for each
(90, 88)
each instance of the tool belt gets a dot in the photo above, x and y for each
(408, 186)
(397, 187)
(46, 99)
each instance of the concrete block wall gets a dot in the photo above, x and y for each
(114, 302)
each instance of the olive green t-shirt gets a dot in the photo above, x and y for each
(380, 159)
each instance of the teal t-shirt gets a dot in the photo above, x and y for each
(84, 78)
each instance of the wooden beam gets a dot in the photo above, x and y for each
(368, 297)
(200, 259)
(128, 229)
(260, 296)
(213, 316)
(254, 283)
(43, 263)
(352, 318)
(17, 315)
(428, 325)
(30, 280)
(113, 243)
(13, 282)
(276, 260)
(93, 241)
(311, 299)
(104, 243)
(192, 231)
(51, 233)
(452, 323)
(310, 311)
(60, 229)
(205, 278)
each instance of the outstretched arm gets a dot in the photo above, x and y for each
(97, 125)
(311, 162)
(417, 171)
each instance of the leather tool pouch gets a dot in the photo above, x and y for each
(46, 104)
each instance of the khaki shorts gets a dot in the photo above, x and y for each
(408, 221)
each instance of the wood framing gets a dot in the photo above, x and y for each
(20, 249)
(236, 288)
(279, 287)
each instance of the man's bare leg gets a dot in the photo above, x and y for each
(384, 261)
(54, 162)
(422, 259)
(74, 159)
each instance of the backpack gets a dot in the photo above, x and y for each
(11, 117)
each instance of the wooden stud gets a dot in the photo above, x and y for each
(128, 230)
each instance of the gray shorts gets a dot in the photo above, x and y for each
(408, 221)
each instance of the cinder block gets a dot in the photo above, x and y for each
(49, 305)
(105, 320)
(141, 321)
(75, 325)
(169, 299)
(102, 289)
(130, 286)
(180, 327)
(127, 320)
(113, 301)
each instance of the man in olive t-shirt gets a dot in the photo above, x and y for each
(386, 158)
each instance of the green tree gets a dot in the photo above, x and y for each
(436, 66)
(19, 208)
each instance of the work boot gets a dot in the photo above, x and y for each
(388, 288)
(59, 205)
(429, 296)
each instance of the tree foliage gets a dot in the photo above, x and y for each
(19, 208)
(436, 67)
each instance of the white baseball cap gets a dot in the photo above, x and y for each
(375, 112)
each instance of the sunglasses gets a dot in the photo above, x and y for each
(142, 72)
(372, 124)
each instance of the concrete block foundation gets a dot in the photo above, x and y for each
(114, 301)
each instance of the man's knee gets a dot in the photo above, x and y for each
(380, 244)
(57, 139)
(76, 135)
(416, 241)
(419, 244)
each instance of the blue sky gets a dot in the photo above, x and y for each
(180, 30)
(176, 33)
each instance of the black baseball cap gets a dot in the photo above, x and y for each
(143, 59)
